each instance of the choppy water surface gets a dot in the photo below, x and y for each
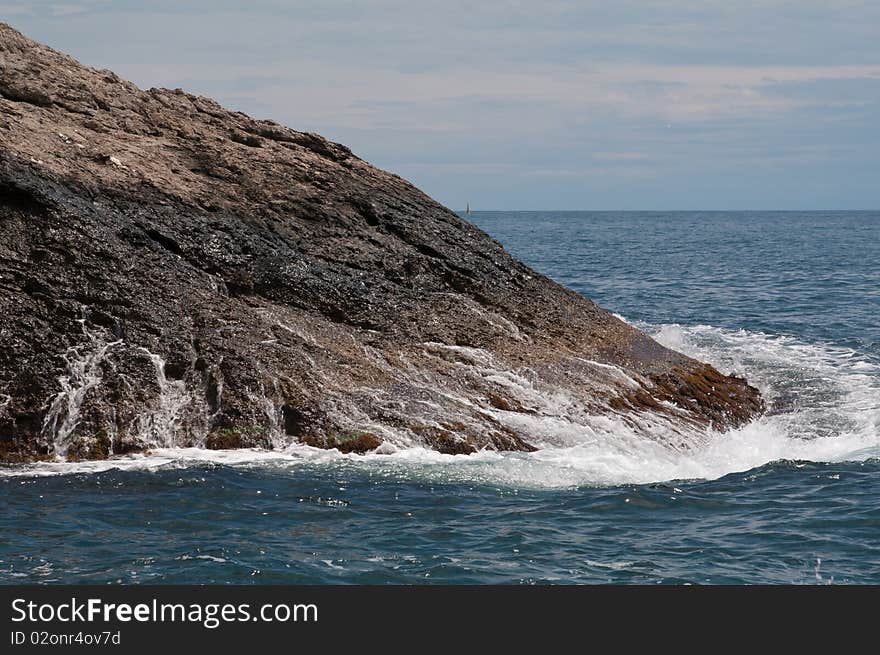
(789, 299)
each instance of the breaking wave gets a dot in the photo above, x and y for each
(824, 406)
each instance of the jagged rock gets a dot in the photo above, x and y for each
(173, 273)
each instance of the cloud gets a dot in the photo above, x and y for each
(61, 10)
(493, 99)
(15, 10)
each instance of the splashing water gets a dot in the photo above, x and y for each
(83, 374)
(789, 498)
(823, 398)
(824, 407)
(159, 427)
(272, 410)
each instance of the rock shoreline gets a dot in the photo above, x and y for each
(173, 273)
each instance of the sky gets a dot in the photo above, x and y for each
(630, 104)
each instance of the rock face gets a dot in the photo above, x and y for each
(173, 273)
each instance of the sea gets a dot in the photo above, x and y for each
(791, 300)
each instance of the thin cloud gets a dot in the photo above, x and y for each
(678, 99)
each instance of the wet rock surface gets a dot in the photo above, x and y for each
(173, 273)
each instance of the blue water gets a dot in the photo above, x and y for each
(789, 299)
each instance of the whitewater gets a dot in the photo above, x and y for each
(787, 299)
(825, 407)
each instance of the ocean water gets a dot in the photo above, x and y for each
(791, 300)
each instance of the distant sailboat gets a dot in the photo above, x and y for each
(468, 210)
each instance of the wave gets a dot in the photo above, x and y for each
(824, 405)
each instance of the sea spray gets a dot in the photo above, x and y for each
(82, 374)
(580, 449)
(160, 426)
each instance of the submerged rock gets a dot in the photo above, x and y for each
(173, 273)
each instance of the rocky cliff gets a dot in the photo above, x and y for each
(173, 273)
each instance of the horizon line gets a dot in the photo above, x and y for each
(487, 211)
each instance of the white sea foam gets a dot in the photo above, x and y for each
(82, 374)
(825, 407)
(160, 425)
